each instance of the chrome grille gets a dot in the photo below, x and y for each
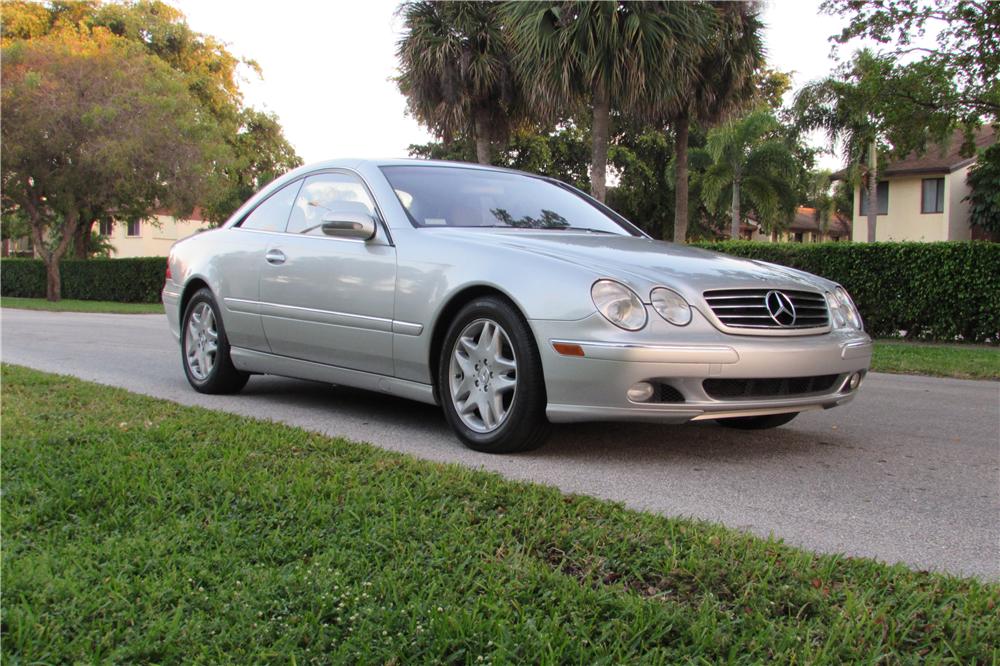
(747, 308)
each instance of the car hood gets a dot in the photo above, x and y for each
(643, 263)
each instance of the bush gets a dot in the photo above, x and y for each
(939, 291)
(137, 280)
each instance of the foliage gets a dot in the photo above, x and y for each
(133, 280)
(561, 153)
(137, 530)
(257, 147)
(751, 161)
(644, 193)
(984, 198)
(613, 57)
(940, 291)
(93, 124)
(457, 72)
(959, 78)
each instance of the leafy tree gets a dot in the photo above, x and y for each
(605, 56)
(752, 163)
(724, 81)
(644, 193)
(828, 197)
(92, 124)
(209, 70)
(984, 199)
(456, 71)
(959, 77)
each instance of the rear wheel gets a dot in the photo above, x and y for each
(757, 422)
(490, 379)
(205, 348)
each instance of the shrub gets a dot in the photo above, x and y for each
(937, 291)
(137, 280)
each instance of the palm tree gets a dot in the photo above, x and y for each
(842, 107)
(606, 55)
(723, 81)
(456, 71)
(751, 162)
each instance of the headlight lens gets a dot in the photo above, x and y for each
(842, 310)
(671, 306)
(850, 310)
(619, 304)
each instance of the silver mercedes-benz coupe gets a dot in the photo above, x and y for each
(512, 300)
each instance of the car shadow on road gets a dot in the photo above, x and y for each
(635, 442)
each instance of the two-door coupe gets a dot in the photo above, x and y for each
(512, 300)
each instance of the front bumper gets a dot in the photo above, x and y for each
(593, 387)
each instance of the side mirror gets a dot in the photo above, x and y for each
(349, 225)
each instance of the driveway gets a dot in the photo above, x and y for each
(910, 471)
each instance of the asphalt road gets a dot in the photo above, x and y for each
(910, 471)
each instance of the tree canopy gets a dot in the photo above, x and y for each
(92, 125)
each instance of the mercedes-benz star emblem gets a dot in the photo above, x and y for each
(780, 307)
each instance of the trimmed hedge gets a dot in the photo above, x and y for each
(939, 291)
(137, 280)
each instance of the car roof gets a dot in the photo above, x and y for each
(356, 163)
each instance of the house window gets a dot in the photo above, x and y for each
(106, 227)
(798, 237)
(932, 199)
(883, 198)
(134, 228)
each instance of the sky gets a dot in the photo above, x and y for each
(328, 66)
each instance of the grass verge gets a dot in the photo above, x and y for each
(69, 305)
(137, 530)
(916, 358)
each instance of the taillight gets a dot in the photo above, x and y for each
(168, 268)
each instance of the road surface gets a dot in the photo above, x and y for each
(910, 471)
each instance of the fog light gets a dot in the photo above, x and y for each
(855, 381)
(640, 392)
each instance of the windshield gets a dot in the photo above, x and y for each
(435, 196)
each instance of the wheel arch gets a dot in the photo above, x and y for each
(190, 289)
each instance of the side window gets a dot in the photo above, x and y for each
(325, 195)
(272, 213)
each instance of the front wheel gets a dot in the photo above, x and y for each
(205, 348)
(490, 379)
(757, 422)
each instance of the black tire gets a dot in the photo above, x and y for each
(757, 422)
(525, 426)
(223, 376)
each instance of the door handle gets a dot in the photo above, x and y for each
(275, 257)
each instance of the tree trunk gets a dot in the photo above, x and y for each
(599, 143)
(53, 283)
(482, 138)
(872, 192)
(81, 239)
(734, 228)
(681, 178)
(52, 257)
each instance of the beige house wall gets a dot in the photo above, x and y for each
(156, 235)
(905, 222)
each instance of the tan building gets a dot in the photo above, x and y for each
(805, 227)
(151, 237)
(921, 198)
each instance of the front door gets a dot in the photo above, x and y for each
(327, 299)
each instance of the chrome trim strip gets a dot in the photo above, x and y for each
(318, 316)
(249, 360)
(643, 353)
(856, 349)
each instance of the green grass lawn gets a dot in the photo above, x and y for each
(68, 305)
(137, 530)
(914, 358)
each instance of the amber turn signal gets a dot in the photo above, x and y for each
(567, 349)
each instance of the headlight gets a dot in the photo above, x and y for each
(671, 306)
(842, 310)
(619, 304)
(850, 310)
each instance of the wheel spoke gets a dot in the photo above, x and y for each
(502, 384)
(483, 375)
(486, 412)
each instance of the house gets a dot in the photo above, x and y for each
(805, 227)
(920, 198)
(153, 236)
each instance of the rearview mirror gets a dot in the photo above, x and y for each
(349, 225)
